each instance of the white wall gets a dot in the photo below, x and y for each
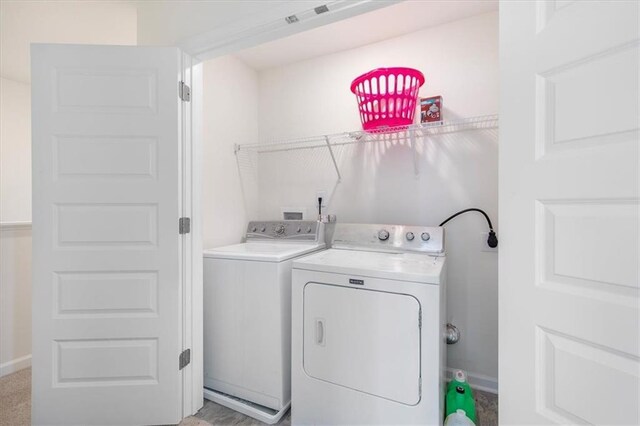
(15, 298)
(230, 116)
(15, 228)
(15, 151)
(460, 62)
(23, 23)
(62, 21)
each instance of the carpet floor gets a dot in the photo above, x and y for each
(15, 399)
(15, 407)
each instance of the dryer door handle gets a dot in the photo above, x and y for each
(320, 331)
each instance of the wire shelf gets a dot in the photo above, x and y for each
(400, 132)
(411, 133)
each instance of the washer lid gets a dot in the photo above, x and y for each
(263, 251)
(413, 267)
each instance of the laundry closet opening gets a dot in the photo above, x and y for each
(297, 89)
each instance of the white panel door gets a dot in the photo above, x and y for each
(107, 292)
(364, 340)
(569, 207)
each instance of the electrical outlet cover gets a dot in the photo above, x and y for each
(299, 213)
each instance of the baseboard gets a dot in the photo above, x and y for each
(15, 365)
(478, 381)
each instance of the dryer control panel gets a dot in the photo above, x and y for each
(292, 230)
(389, 238)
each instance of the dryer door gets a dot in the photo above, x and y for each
(365, 340)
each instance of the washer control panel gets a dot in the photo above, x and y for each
(391, 238)
(296, 230)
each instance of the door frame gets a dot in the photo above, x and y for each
(191, 245)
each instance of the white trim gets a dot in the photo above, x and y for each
(197, 320)
(478, 381)
(185, 249)
(246, 408)
(258, 29)
(15, 226)
(15, 365)
(191, 269)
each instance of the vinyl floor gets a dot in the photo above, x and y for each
(215, 414)
(15, 407)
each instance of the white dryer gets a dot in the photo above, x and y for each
(247, 317)
(368, 317)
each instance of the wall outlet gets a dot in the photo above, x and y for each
(482, 240)
(294, 213)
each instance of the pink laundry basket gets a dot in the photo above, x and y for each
(387, 97)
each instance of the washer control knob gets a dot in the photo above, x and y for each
(383, 235)
(264, 228)
(254, 229)
(308, 229)
(410, 236)
(299, 229)
(425, 236)
(279, 229)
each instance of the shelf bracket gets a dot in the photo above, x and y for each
(333, 157)
(412, 138)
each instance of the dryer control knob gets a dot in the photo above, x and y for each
(383, 235)
(264, 228)
(299, 229)
(254, 229)
(410, 236)
(308, 229)
(425, 236)
(279, 229)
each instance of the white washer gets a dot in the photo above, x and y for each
(247, 317)
(368, 336)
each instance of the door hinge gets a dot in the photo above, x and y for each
(185, 358)
(184, 91)
(184, 225)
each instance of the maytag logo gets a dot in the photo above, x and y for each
(354, 281)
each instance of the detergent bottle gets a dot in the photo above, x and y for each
(459, 400)
(458, 419)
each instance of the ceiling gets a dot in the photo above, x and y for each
(371, 27)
